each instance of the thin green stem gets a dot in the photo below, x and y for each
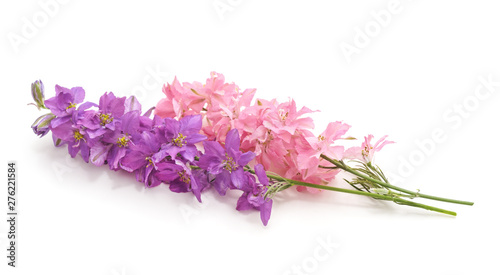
(393, 198)
(349, 169)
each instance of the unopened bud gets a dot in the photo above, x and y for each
(37, 92)
(41, 124)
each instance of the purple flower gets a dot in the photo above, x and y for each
(182, 179)
(110, 110)
(65, 101)
(75, 136)
(226, 164)
(114, 144)
(140, 159)
(181, 137)
(253, 197)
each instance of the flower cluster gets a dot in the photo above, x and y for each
(213, 134)
(278, 133)
(157, 150)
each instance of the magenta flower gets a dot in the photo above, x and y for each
(181, 137)
(226, 163)
(75, 136)
(140, 159)
(65, 100)
(182, 179)
(110, 110)
(115, 143)
(253, 197)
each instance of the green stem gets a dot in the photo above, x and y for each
(393, 198)
(345, 167)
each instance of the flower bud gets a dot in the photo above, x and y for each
(41, 124)
(37, 92)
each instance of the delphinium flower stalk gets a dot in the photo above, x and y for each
(205, 135)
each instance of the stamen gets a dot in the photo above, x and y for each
(179, 140)
(123, 141)
(229, 164)
(105, 119)
(77, 135)
(184, 177)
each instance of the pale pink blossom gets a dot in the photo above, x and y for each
(367, 150)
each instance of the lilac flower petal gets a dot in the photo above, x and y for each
(189, 153)
(86, 105)
(146, 175)
(232, 140)
(245, 158)
(99, 153)
(261, 174)
(213, 148)
(178, 187)
(79, 94)
(132, 104)
(133, 161)
(163, 153)
(96, 133)
(221, 182)
(64, 131)
(238, 179)
(265, 211)
(129, 122)
(153, 181)
(85, 151)
(196, 188)
(59, 120)
(195, 138)
(243, 203)
(73, 149)
(168, 171)
(172, 127)
(211, 163)
(115, 154)
(190, 125)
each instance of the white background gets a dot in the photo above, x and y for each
(407, 78)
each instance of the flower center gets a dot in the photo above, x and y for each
(71, 105)
(184, 177)
(283, 114)
(77, 135)
(179, 141)
(321, 138)
(150, 160)
(229, 164)
(105, 119)
(123, 141)
(366, 150)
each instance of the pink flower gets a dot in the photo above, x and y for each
(313, 147)
(178, 101)
(367, 150)
(283, 120)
